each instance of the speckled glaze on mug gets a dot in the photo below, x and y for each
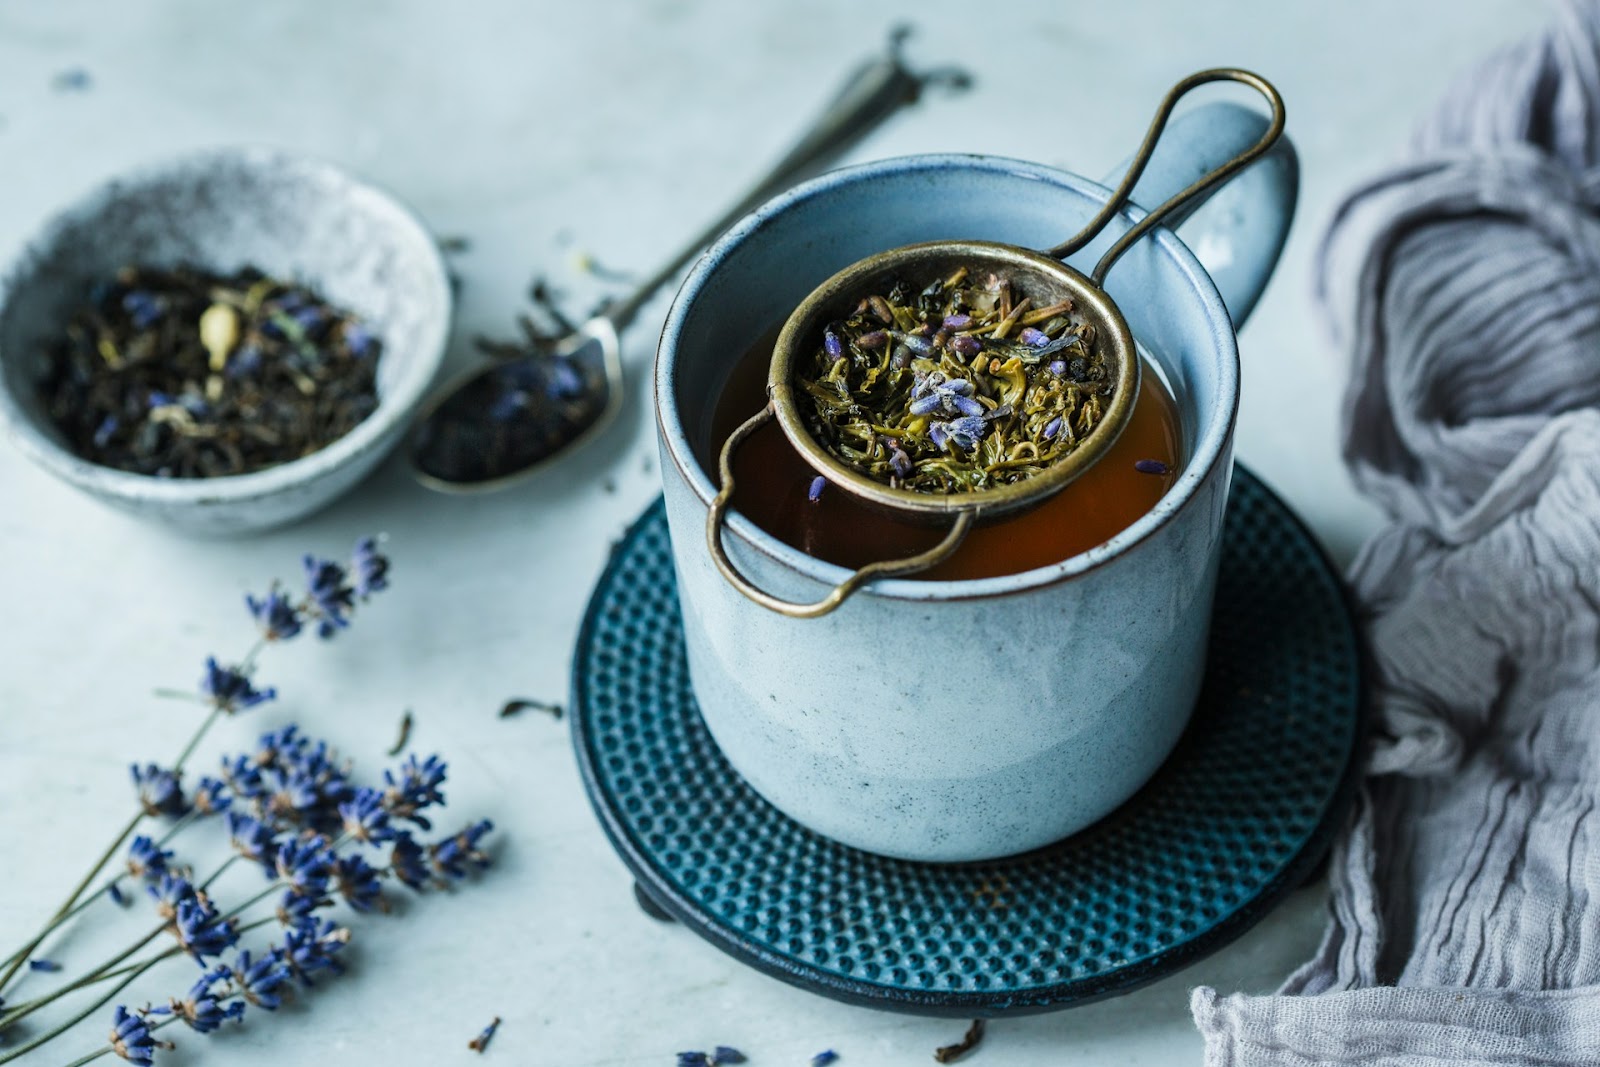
(952, 721)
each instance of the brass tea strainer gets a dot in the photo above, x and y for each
(1040, 276)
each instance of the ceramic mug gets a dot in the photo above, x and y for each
(871, 739)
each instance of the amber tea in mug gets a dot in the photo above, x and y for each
(775, 491)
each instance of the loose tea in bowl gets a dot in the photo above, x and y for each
(185, 373)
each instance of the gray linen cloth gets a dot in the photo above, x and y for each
(1465, 285)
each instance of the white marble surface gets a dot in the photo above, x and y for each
(541, 130)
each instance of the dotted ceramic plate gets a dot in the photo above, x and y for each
(1241, 812)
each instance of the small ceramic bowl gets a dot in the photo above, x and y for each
(292, 217)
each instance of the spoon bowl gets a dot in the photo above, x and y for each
(500, 423)
(494, 425)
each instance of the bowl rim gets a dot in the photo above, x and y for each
(1212, 445)
(395, 406)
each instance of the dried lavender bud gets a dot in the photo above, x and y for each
(834, 346)
(1151, 466)
(814, 493)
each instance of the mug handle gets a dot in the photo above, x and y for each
(1241, 232)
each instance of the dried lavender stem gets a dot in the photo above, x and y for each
(172, 832)
(51, 1035)
(72, 898)
(70, 906)
(109, 969)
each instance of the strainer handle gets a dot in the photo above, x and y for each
(718, 514)
(1196, 190)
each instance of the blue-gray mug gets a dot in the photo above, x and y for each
(845, 722)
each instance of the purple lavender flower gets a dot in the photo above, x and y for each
(305, 864)
(365, 818)
(253, 839)
(104, 431)
(289, 797)
(871, 341)
(259, 981)
(1058, 367)
(1052, 427)
(203, 1008)
(832, 343)
(312, 947)
(1032, 337)
(814, 491)
(144, 308)
(276, 617)
(242, 776)
(722, 1054)
(200, 931)
(957, 322)
(131, 1038)
(309, 317)
(561, 379)
(414, 789)
(900, 464)
(359, 883)
(963, 433)
(509, 404)
(147, 861)
(933, 393)
(295, 910)
(211, 797)
(408, 862)
(966, 345)
(1151, 466)
(329, 594)
(280, 748)
(158, 790)
(358, 339)
(371, 568)
(823, 1058)
(170, 892)
(230, 689)
(244, 362)
(120, 899)
(43, 965)
(451, 857)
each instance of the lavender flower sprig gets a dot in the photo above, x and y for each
(310, 872)
(227, 690)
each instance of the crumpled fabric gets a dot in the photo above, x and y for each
(1465, 286)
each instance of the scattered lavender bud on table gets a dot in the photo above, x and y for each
(823, 1058)
(47, 966)
(481, 1042)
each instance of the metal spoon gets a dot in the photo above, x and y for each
(505, 421)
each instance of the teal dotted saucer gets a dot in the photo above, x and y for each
(1241, 812)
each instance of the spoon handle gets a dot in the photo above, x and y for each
(870, 95)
